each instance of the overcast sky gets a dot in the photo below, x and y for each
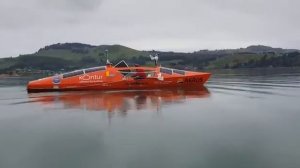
(178, 25)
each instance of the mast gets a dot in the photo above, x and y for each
(107, 60)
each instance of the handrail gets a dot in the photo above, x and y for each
(146, 72)
(135, 68)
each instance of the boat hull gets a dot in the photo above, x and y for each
(112, 79)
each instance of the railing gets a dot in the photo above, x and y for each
(171, 71)
(83, 71)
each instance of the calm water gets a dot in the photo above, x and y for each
(242, 119)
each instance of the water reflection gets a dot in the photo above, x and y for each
(118, 101)
(249, 120)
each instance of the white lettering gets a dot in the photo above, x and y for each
(87, 77)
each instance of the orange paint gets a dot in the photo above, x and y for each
(113, 78)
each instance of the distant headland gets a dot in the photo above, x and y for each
(69, 56)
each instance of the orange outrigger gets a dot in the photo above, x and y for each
(119, 78)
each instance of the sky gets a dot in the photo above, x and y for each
(167, 25)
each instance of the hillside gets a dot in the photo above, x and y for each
(250, 57)
(69, 56)
(77, 51)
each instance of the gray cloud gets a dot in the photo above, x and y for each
(180, 25)
(73, 5)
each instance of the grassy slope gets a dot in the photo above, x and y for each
(72, 57)
(115, 52)
(7, 62)
(232, 60)
(75, 55)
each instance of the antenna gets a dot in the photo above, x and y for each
(106, 53)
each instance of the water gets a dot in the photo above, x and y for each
(244, 119)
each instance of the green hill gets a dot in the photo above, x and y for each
(77, 51)
(70, 56)
(250, 57)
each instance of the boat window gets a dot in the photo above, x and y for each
(166, 70)
(94, 69)
(181, 72)
(74, 73)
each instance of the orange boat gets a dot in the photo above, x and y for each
(119, 77)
